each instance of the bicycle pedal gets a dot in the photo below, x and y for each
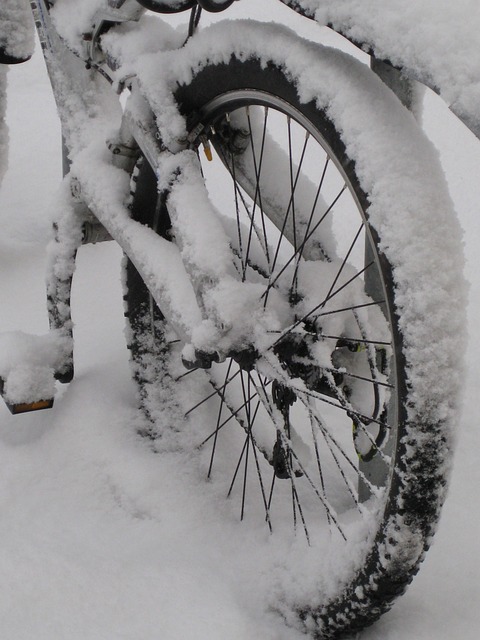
(30, 366)
(6, 58)
(24, 407)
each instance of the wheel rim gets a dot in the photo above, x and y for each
(343, 411)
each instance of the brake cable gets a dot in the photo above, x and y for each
(195, 15)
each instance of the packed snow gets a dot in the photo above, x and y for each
(103, 538)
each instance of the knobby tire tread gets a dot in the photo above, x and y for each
(382, 578)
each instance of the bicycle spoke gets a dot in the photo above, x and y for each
(233, 416)
(322, 304)
(247, 451)
(237, 208)
(211, 395)
(354, 341)
(264, 133)
(352, 308)
(187, 373)
(328, 436)
(328, 507)
(310, 220)
(291, 202)
(323, 399)
(330, 440)
(324, 313)
(318, 396)
(257, 199)
(220, 410)
(317, 456)
(313, 208)
(240, 197)
(324, 502)
(343, 264)
(355, 376)
(305, 240)
(262, 489)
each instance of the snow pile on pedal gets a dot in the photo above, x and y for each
(28, 364)
(16, 28)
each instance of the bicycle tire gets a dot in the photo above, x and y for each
(418, 443)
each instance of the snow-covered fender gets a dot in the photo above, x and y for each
(433, 41)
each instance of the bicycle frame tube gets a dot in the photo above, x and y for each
(85, 123)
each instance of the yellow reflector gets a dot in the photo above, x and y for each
(208, 151)
(24, 407)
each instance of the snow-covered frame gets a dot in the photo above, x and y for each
(98, 185)
(151, 77)
(135, 125)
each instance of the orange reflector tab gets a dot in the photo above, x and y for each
(208, 151)
(25, 407)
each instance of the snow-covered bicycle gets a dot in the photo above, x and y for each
(293, 280)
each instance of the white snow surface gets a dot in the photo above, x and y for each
(16, 28)
(436, 39)
(101, 538)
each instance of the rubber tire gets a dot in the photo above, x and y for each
(384, 576)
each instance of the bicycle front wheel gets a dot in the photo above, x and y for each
(315, 430)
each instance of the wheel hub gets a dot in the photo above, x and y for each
(294, 352)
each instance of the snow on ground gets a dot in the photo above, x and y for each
(100, 538)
